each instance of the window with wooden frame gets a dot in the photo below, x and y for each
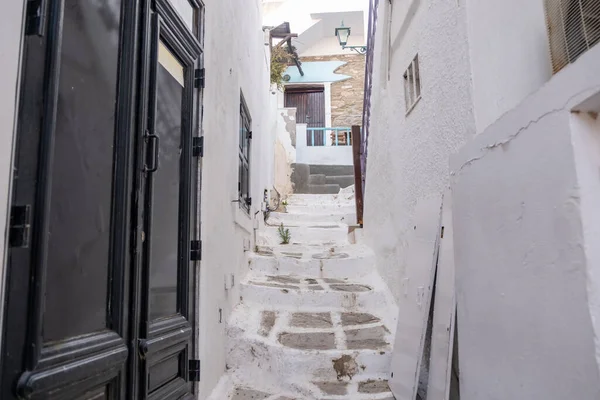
(244, 156)
(412, 84)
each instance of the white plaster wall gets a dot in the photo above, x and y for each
(320, 155)
(227, 233)
(510, 55)
(408, 155)
(285, 152)
(523, 222)
(330, 45)
(585, 129)
(297, 12)
(10, 53)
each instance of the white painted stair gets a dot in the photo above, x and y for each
(315, 318)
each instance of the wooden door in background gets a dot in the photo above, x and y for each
(310, 105)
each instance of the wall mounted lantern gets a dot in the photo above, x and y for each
(342, 33)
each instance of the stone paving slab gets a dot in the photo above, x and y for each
(373, 386)
(249, 394)
(267, 322)
(358, 319)
(367, 338)
(311, 320)
(333, 388)
(308, 340)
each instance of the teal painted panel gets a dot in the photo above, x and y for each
(316, 72)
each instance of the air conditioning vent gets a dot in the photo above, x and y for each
(573, 28)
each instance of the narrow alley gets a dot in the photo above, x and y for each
(314, 316)
(300, 200)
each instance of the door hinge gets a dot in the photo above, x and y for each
(20, 226)
(196, 250)
(249, 135)
(199, 78)
(34, 20)
(194, 367)
(249, 201)
(198, 146)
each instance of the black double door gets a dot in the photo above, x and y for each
(100, 293)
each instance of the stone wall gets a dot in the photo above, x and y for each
(347, 95)
(285, 153)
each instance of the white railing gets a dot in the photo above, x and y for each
(337, 137)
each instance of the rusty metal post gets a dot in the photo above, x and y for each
(358, 190)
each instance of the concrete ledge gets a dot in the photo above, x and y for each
(328, 188)
(332, 170)
(300, 177)
(343, 180)
(318, 179)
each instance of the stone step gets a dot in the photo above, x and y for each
(339, 262)
(343, 180)
(304, 199)
(332, 234)
(313, 198)
(324, 188)
(332, 170)
(308, 344)
(277, 218)
(320, 209)
(301, 291)
(318, 179)
(371, 389)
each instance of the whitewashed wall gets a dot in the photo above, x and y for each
(408, 155)
(227, 233)
(526, 226)
(509, 54)
(10, 53)
(585, 130)
(298, 12)
(330, 45)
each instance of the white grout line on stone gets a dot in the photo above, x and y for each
(281, 324)
(340, 335)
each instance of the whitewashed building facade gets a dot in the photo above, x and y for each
(150, 322)
(478, 97)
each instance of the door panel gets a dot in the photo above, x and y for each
(98, 300)
(310, 110)
(166, 184)
(81, 189)
(166, 337)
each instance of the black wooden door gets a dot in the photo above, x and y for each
(310, 109)
(83, 317)
(169, 117)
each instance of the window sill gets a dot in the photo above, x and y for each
(242, 218)
(412, 107)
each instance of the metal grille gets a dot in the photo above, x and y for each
(573, 28)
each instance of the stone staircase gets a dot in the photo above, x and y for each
(322, 179)
(315, 318)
